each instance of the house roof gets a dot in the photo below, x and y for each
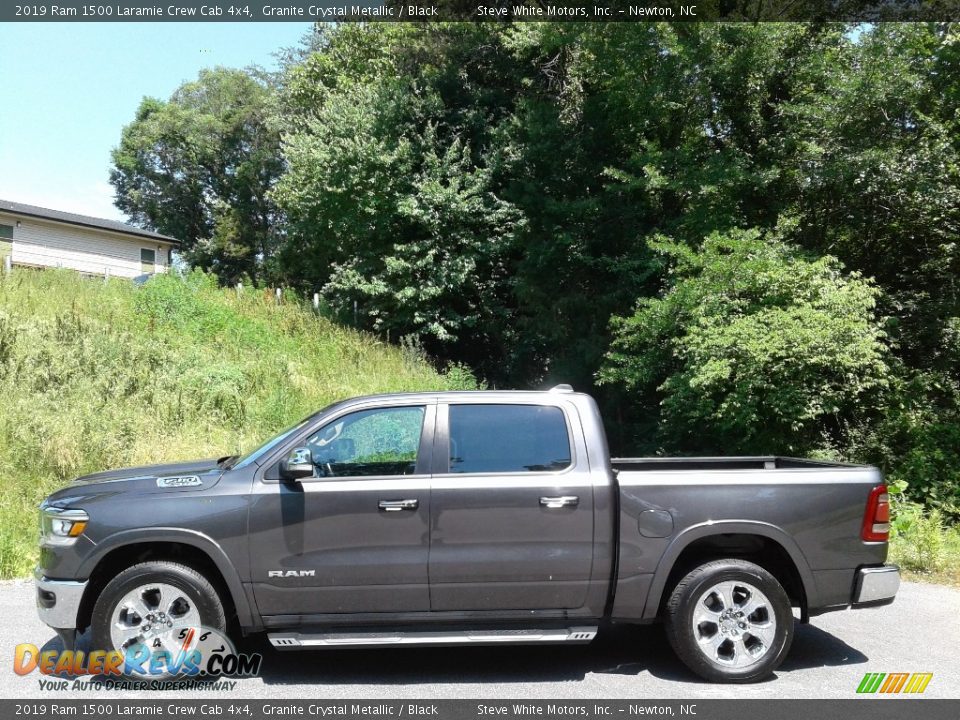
(15, 208)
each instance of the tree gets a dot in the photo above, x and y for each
(876, 176)
(200, 166)
(499, 191)
(390, 189)
(753, 348)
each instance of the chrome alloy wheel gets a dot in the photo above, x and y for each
(734, 624)
(152, 612)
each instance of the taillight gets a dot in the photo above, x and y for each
(876, 519)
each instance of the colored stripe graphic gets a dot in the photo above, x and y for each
(918, 682)
(870, 682)
(894, 683)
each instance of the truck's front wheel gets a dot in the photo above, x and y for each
(730, 621)
(155, 603)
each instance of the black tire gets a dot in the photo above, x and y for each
(197, 588)
(738, 645)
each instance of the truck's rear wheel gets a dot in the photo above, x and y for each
(152, 603)
(730, 621)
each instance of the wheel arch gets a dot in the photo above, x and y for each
(191, 548)
(707, 541)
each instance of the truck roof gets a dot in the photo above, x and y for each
(565, 390)
(559, 389)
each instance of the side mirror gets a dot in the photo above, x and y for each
(299, 464)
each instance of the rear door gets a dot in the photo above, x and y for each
(511, 508)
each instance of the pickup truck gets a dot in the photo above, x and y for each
(488, 517)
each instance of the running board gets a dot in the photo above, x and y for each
(293, 640)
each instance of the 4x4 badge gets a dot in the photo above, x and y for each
(179, 481)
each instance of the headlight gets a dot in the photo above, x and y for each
(61, 527)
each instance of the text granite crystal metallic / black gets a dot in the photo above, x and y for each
(467, 518)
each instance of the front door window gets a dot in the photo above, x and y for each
(382, 442)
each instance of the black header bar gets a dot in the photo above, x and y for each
(160, 708)
(479, 10)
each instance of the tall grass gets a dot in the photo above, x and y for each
(922, 544)
(96, 375)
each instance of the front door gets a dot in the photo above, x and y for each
(354, 538)
(512, 510)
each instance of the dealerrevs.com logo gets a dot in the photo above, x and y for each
(894, 683)
(191, 657)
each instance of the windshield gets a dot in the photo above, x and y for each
(270, 444)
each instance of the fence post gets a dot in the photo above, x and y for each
(106, 275)
(279, 295)
(239, 288)
(316, 302)
(8, 264)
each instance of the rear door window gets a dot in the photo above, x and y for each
(508, 439)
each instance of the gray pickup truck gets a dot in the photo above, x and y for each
(465, 518)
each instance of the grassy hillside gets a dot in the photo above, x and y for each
(96, 375)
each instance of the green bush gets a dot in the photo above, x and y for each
(917, 441)
(752, 348)
(921, 541)
(96, 375)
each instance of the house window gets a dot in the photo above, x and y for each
(6, 244)
(148, 260)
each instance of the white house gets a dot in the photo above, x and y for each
(37, 237)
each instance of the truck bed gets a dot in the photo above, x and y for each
(809, 511)
(758, 462)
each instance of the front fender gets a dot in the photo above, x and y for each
(195, 539)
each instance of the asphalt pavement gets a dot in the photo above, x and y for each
(920, 632)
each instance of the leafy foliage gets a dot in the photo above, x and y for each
(493, 194)
(917, 441)
(392, 211)
(753, 348)
(199, 168)
(921, 542)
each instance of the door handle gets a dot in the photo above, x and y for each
(560, 502)
(398, 505)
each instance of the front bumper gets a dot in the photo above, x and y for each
(58, 601)
(876, 585)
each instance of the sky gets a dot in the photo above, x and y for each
(69, 88)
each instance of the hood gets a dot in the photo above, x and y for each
(143, 480)
(190, 467)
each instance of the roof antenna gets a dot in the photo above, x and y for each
(562, 388)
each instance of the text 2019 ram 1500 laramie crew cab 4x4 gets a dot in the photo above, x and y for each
(466, 518)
